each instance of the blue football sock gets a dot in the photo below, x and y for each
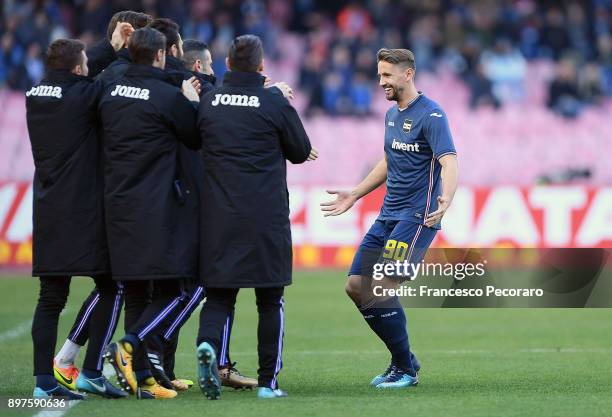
(388, 320)
(89, 374)
(46, 382)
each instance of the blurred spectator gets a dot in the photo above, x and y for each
(333, 97)
(604, 50)
(481, 90)
(578, 30)
(555, 37)
(424, 38)
(506, 68)
(353, 20)
(488, 44)
(311, 81)
(361, 95)
(590, 84)
(563, 93)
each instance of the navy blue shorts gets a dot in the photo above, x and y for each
(394, 240)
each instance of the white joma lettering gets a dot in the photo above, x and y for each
(235, 100)
(131, 92)
(402, 146)
(45, 91)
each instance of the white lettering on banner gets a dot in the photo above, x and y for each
(458, 221)
(131, 92)
(597, 224)
(505, 217)
(297, 205)
(333, 230)
(20, 229)
(240, 100)
(557, 204)
(484, 217)
(7, 196)
(45, 91)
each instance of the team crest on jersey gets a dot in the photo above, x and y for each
(407, 125)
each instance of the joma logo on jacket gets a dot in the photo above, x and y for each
(45, 91)
(131, 92)
(235, 100)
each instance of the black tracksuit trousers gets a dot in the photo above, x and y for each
(270, 330)
(104, 314)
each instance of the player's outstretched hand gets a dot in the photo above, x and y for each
(121, 35)
(435, 217)
(189, 90)
(314, 154)
(344, 201)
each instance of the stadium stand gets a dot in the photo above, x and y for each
(496, 70)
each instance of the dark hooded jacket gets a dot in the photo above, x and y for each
(248, 132)
(145, 119)
(117, 68)
(68, 236)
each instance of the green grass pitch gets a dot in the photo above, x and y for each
(513, 362)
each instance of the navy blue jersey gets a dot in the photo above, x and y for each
(415, 138)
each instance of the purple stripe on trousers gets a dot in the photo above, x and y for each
(85, 318)
(159, 318)
(223, 352)
(184, 312)
(279, 360)
(112, 324)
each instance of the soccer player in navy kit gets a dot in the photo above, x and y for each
(420, 170)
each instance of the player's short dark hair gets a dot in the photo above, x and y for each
(193, 50)
(245, 53)
(396, 56)
(65, 54)
(170, 30)
(136, 19)
(144, 45)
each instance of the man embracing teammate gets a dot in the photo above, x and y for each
(248, 132)
(69, 234)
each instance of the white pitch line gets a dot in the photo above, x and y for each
(19, 330)
(16, 331)
(567, 350)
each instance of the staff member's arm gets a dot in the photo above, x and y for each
(294, 140)
(104, 52)
(346, 199)
(182, 116)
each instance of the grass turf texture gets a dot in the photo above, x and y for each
(513, 362)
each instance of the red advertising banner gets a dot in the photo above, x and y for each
(504, 216)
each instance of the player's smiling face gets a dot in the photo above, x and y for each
(393, 79)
